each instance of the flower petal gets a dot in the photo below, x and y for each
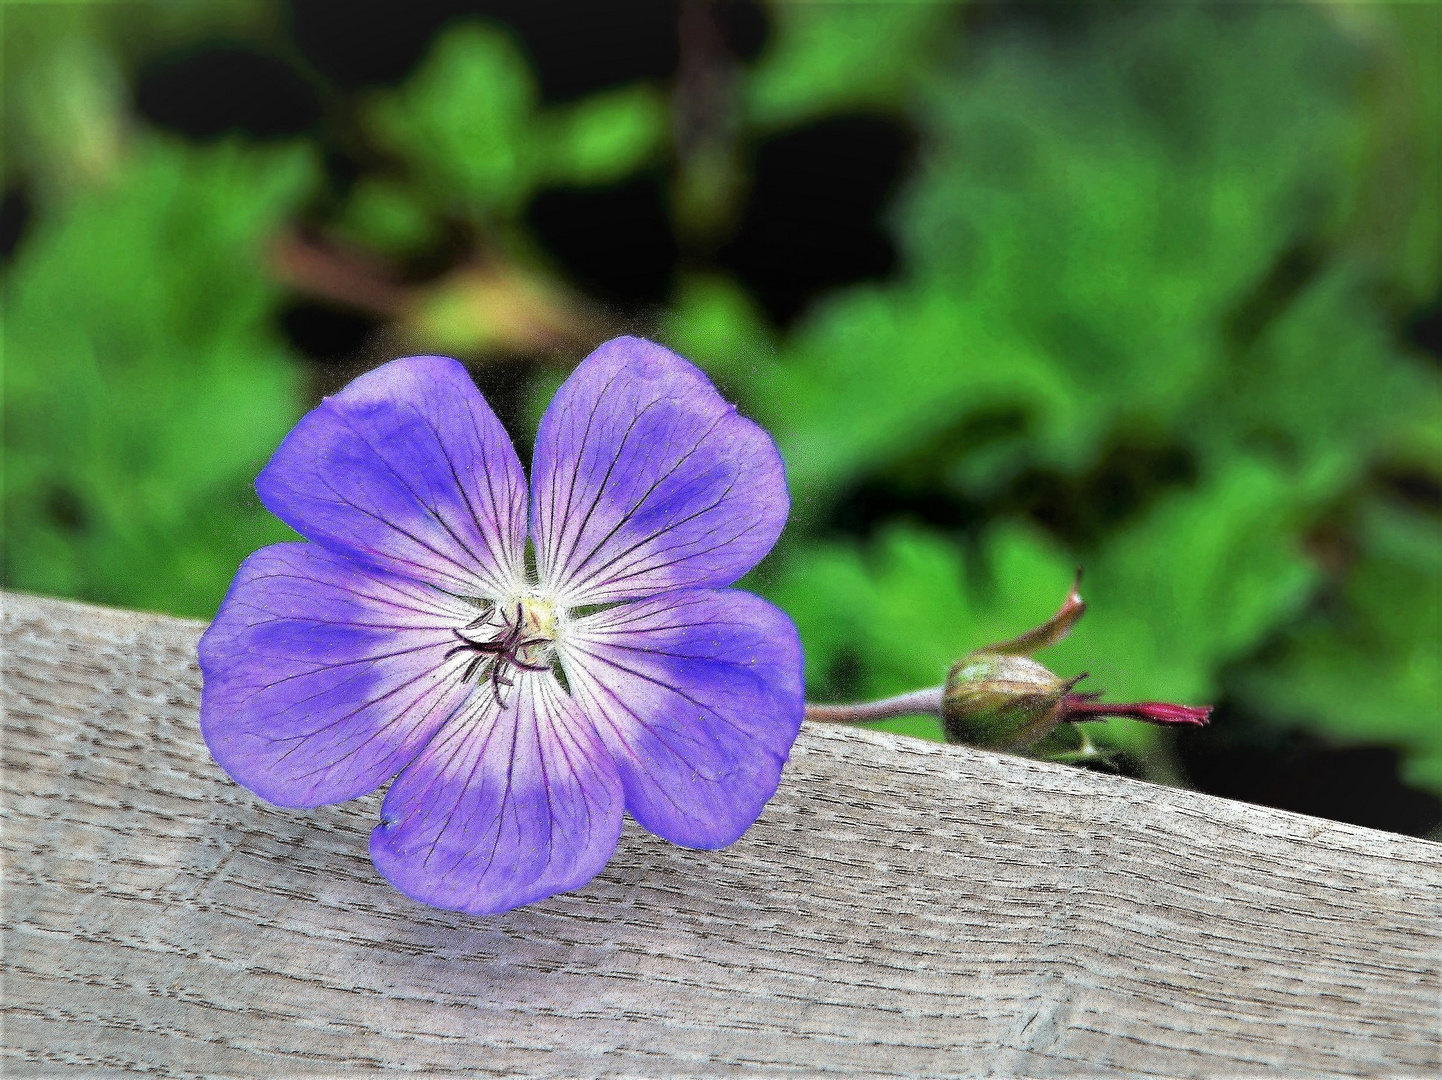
(505, 806)
(698, 695)
(408, 469)
(646, 480)
(322, 677)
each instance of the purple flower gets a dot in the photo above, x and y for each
(519, 710)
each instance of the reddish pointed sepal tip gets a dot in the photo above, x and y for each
(1079, 707)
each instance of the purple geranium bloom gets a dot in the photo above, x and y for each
(519, 711)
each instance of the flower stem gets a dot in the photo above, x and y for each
(926, 701)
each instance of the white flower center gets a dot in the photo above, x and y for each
(541, 616)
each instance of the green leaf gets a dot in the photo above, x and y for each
(606, 136)
(879, 371)
(144, 384)
(464, 121)
(1324, 391)
(832, 56)
(1397, 224)
(469, 123)
(1201, 581)
(1364, 667)
(1104, 240)
(64, 118)
(387, 215)
(1117, 206)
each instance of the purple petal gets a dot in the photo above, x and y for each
(645, 480)
(408, 469)
(698, 696)
(505, 806)
(322, 678)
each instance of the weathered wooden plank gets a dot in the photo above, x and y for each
(901, 908)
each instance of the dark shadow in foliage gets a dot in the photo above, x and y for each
(505, 381)
(1058, 22)
(227, 89)
(1129, 475)
(575, 48)
(14, 217)
(65, 508)
(875, 503)
(615, 241)
(326, 334)
(813, 218)
(357, 45)
(914, 486)
(579, 48)
(1295, 268)
(744, 27)
(844, 677)
(1424, 329)
(1420, 490)
(1239, 757)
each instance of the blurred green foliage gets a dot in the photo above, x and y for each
(1165, 234)
(828, 57)
(469, 126)
(144, 386)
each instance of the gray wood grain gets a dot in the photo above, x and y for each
(901, 908)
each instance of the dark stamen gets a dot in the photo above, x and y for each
(493, 659)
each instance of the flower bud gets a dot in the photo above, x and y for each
(1001, 699)
(1001, 702)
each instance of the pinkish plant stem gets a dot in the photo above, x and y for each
(926, 701)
